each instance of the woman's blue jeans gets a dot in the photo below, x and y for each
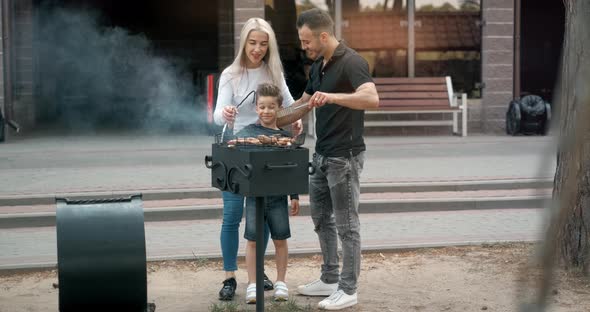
(233, 211)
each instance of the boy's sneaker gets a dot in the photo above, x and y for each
(281, 291)
(267, 283)
(317, 288)
(228, 290)
(338, 301)
(251, 293)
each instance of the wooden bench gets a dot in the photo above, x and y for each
(416, 96)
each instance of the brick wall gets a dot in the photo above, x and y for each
(497, 63)
(23, 104)
(2, 106)
(474, 117)
(225, 33)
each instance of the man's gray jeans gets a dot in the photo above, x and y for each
(334, 192)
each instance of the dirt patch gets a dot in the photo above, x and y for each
(482, 278)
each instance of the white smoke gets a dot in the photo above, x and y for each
(101, 76)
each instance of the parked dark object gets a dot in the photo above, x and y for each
(5, 122)
(101, 255)
(528, 115)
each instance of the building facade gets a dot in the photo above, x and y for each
(473, 41)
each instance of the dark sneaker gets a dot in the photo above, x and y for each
(267, 283)
(229, 289)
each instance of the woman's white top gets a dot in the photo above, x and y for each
(232, 90)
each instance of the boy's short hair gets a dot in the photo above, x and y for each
(317, 21)
(269, 89)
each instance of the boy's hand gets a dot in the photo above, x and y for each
(294, 207)
(297, 127)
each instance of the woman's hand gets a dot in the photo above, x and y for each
(294, 207)
(229, 114)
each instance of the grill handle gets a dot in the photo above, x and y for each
(208, 161)
(280, 166)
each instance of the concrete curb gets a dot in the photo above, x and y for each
(295, 252)
(372, 187)
(20, 220)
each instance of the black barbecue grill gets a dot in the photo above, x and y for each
(259, 170)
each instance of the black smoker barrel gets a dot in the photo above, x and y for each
(101, 255)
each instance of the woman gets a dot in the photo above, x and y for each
(257, 62)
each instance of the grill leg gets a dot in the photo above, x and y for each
(260, 254)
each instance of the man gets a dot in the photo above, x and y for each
(340, 88)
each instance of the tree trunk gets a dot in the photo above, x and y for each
(397, 5)
(572, 177)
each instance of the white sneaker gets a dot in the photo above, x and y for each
(338, 301)
(281, 291)
(317, 288)
(251, 293)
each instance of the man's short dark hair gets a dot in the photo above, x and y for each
(317, 20)
(269, 89)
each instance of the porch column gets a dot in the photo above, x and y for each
(411, 37)
(497, 63)
(338, 19)
(2, 67)
(243, 10)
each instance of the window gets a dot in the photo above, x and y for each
(447, 38)
(448, 42)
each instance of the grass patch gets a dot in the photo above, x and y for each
(269, 306)
(200, 261)
(225, 307)
(289, 306)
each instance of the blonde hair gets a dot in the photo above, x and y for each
(272, 59)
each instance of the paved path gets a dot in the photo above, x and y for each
(58, 165)
(25, 247)
(54, 165)
(304, 199)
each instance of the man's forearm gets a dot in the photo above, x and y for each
(303, 99)
(361, 99)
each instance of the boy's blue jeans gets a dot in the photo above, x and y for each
(233, 211)
(334, 191)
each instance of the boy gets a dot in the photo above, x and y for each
(268, 103)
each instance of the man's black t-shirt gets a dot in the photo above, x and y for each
(339, 129)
